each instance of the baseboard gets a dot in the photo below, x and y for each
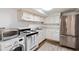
(51, 40)
(69, 47)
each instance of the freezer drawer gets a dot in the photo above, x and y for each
(68, 41)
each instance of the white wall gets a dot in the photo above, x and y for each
(8, 18)
(53, 26)
(5, 17)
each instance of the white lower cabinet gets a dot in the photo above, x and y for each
(41, 36)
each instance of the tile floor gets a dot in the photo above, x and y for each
(50, 47)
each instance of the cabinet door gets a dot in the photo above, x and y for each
(27, 16)
(52, 20)
(41, 36)
(36, 18)
(41, 19)
(36, 39)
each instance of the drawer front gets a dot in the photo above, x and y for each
(71, 42)
(63, 40)
(68, 41)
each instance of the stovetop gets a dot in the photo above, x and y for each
(28, 33)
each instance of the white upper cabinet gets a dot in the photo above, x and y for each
(38, 18)
(42, 19)
(28, 16)
(53, 19)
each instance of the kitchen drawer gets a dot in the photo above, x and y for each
(68, 41)
(41, 36)
(63, 40)
(71, 42)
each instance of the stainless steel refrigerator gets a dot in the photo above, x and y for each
(69, 30)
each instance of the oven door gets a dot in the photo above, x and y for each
(18, 48)
(30, 43)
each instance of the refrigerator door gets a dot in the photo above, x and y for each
(77, 25)
(73, 26)
(68, 25)
(63, 28)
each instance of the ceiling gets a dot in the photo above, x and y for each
(58, 10)
(50, 11)
(44, 12)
